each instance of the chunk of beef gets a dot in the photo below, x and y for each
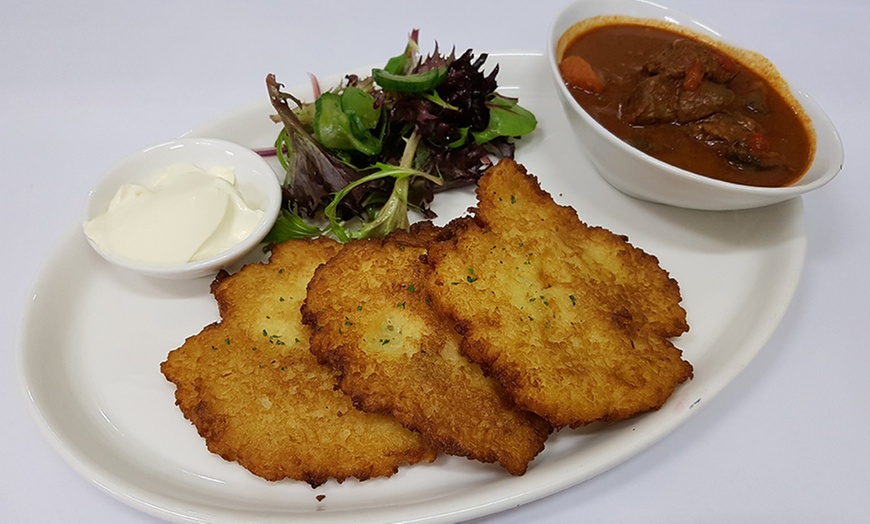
(708, 99)
(738, 139)
(676, 60)
(661, 99)
(755, 99)
(748, 156)
(655, 99)
(721, 128)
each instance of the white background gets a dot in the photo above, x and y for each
(84, 83)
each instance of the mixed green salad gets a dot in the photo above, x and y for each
(365, 152)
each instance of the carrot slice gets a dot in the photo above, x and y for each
(694, 77)
(578, 73)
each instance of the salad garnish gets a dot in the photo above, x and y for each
(363, 153)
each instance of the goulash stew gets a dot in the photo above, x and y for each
(688, 104)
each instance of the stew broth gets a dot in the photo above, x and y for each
(696, 109)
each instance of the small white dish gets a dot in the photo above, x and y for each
(255, 180)
(642, 176)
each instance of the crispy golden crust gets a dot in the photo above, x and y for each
(372, 320)
(257, 395)
(573, 320)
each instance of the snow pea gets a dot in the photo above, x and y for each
(506, 118)
(413, 83)
(338, 128)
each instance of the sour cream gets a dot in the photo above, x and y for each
(189, 214)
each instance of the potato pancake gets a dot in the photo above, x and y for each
(573, 320)
(373, 321)
(259, 397)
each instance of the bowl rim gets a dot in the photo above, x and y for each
(257, 172)
(819, 121)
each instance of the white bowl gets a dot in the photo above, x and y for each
(642, 176)
(255, 180)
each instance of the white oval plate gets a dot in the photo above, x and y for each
(93, 337)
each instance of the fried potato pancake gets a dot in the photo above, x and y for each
(372, 320)
(573, 320)
(259, 397)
